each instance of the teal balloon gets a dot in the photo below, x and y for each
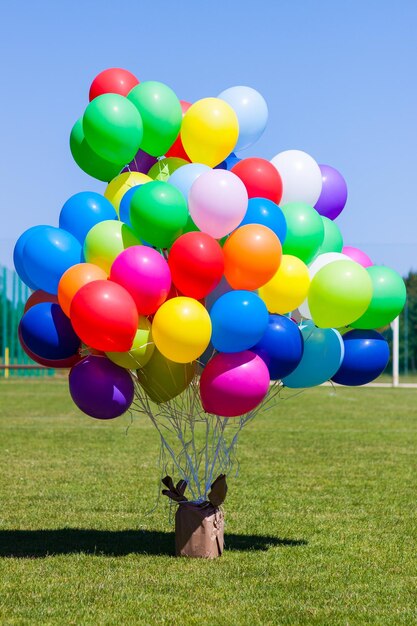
(88, 160)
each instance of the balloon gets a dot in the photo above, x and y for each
(229, 162)
(141, 351)
(181, 329)
(100, 388)
(177, 149)
(163, 379)
(320, 261)
(112, 80)
(142, 162)
(281, 346)
(334, 193)
(252, 255)
(37, 297)
(145, 274)
(305, 231)
(332, 240)
(104, 316)
(234, 384)
(301, 177)
(105, 241)
(209, 131)
(164, 168)
(47, 254)
(161, 113)
(124, 207)
(252, 113)
(158, 213)
(388, 298)
(222, 288)
(196, 263)
(260, 177)
(51, 363)
(18, 255)
(339, 294)
(184, 177)
(113, 127)
(322, 356)
(239, 320)
(73, 279)
(366, 357)
(217, 201)
(357, 255)
(87, 159)
(83, 211)
(117, 188)
(48, 333)
(265, 212)
(288, 288)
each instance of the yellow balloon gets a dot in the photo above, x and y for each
(288, 288)
(209, 131)
(181, 329)
(117, 187)
(141, 350)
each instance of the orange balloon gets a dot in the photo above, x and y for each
(73, 279)
(252, 255)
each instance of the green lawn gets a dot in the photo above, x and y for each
(321, 521)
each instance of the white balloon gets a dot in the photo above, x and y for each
(313, 268)
(301, 177)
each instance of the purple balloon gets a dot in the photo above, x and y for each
(141, 163)
(334, 193)
(101, 388)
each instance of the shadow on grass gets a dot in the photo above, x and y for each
(41, 543)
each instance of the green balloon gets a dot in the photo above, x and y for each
(106, 240)
(85, 157)
(158, 213)
(163, 168)
(388, 299)
(161, 114)
(339, 293)
(333, 240)
(163, 379)
(305, 231)
(113, 127)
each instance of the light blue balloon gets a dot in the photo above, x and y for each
(185, 176)
(252, 113)
(323, 354)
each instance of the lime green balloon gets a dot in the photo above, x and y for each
(106, 240)
(163, 379)
(113, 127)
(141, 351)
(333, 240)
(163, 168)
(388, 299)
(161, 114)
(158, 213)
(305, 231)
(339, 293)
(85, 157)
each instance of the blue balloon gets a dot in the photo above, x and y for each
(252, 113)
(48, 332)
(239, 319)
(322, 356)
(124, 207)
(265, 212)
(228, 163)
(185, 176)
(47, 254)
(366, 357)
(18, 257)
(281, 346)
(222, 288)
(83, 211)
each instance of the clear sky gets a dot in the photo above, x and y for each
(339, 77)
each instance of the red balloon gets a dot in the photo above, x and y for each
(104, 316)
(113, 80)
(58, 364)
(177, 149)
(39, 296)
(196, 263)
(260, 178)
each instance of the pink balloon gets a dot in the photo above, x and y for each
(145, 274)
(357, 255)
(234, 383)
(217, 202)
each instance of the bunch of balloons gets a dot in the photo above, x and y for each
(196, 264)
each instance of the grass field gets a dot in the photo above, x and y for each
(321, 521)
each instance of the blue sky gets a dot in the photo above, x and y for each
(339, 79)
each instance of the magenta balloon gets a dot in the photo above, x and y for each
(145, 274)
(234, 383)
(334, 193)
(357, 255)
